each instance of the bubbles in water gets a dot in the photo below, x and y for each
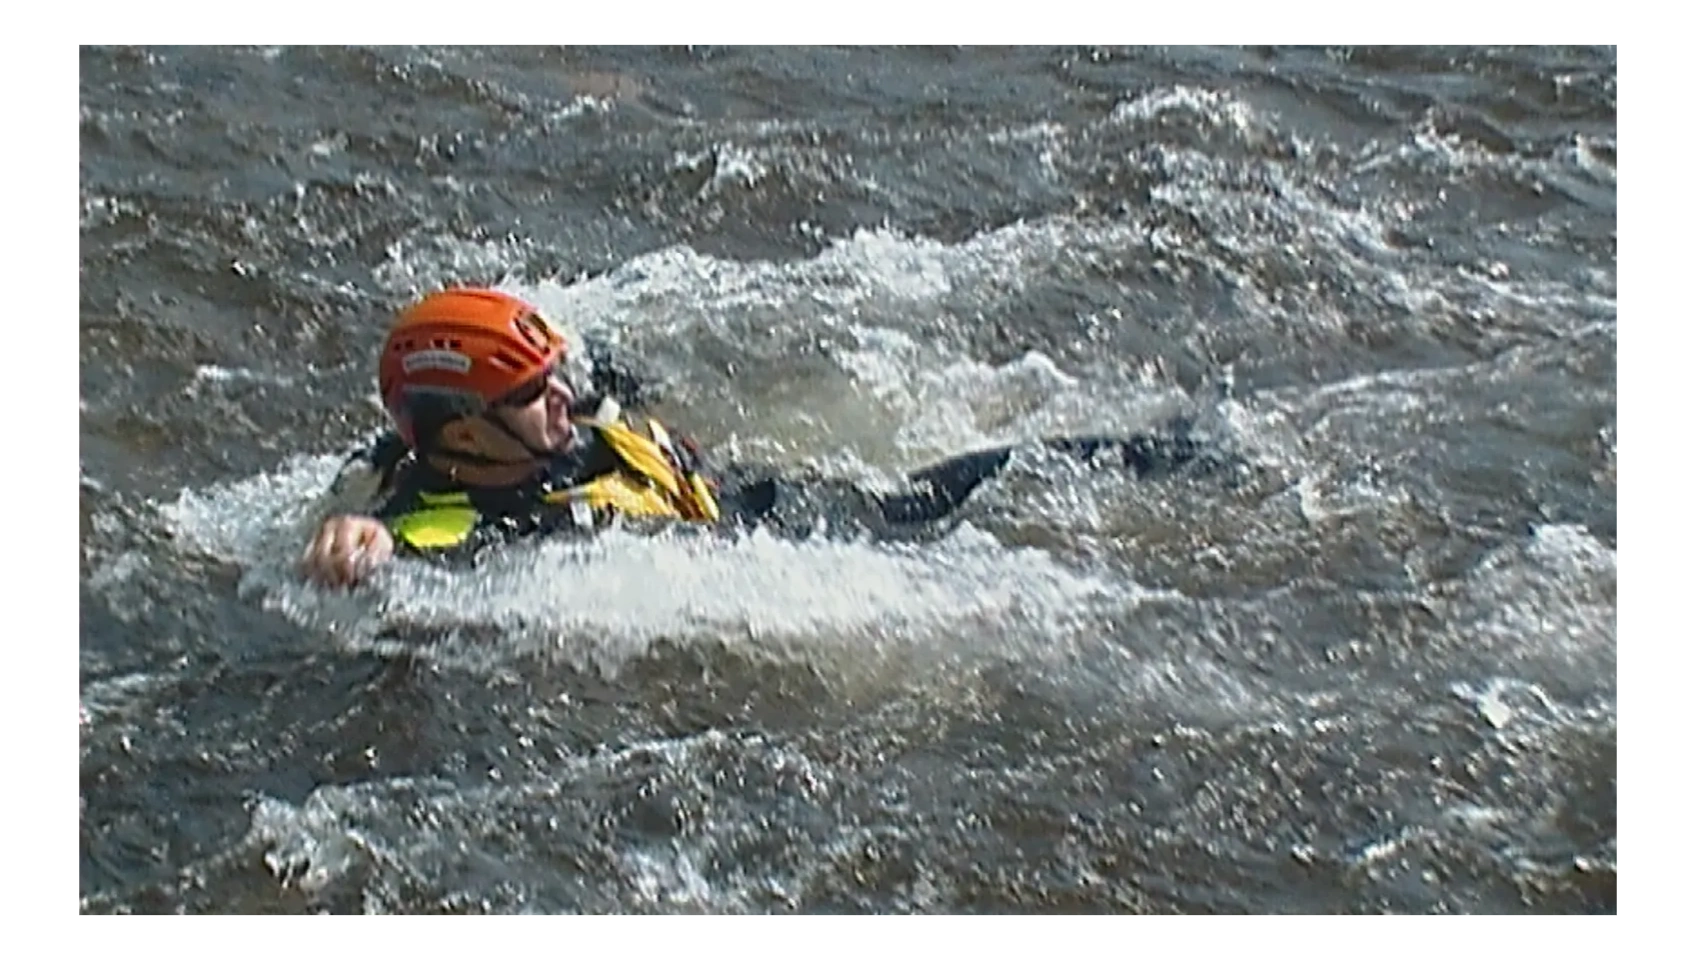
(1553, 593)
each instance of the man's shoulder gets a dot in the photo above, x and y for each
(377, 475)
(608, 419)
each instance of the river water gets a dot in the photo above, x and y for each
(1377, 673)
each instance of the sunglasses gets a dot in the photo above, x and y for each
(531, 390)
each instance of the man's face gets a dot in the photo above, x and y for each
(545, 421)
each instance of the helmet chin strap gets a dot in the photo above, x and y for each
(478, 468)
(501, 425)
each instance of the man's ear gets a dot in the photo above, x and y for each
(459, 436)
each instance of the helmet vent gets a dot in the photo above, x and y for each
(506, 361)
(533, 329)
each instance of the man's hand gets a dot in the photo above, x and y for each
(346, 549)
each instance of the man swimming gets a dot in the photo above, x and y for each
(491, 442)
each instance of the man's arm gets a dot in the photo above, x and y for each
(400, 518)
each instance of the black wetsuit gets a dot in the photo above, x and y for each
(797, 505)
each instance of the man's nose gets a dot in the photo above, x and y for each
(560, 390)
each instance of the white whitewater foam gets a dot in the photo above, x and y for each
(606, 600)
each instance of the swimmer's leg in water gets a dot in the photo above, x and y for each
(941, 488)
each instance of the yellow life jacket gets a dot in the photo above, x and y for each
(656, 480)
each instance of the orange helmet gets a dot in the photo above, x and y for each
(455, 352)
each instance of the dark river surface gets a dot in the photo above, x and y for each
(1375, 673)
